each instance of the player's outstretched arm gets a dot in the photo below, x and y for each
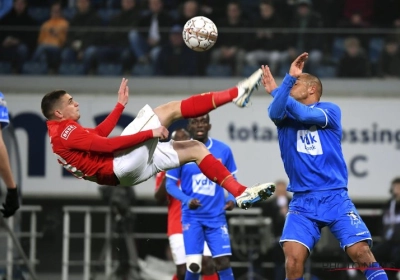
(297, 66)
(106, 126)
(79, 139)
(12, 201)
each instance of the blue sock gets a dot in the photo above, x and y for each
(376, 273)
(226, 274)
(192, 276)
(301, 278)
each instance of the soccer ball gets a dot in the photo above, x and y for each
(200, 34)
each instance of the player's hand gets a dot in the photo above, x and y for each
(123, 92)
(229, 205)
(194, 204)
(12, 203)
(298, 64)
(161, 133)
(268, 80)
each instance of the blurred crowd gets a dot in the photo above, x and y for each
(344, 38)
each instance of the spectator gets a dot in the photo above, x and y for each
(82, 43)
(52, 37)
(267, 48)
(17, 45)
(190, 9)
(146, 45)
(276, 208)
(354, 63)
(330, 11)
(175, 58)
(115, 48)
(388, 251)
(5, 7)
(390, 60)
(231, 45)
(305, 18)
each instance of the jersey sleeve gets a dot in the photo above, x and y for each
(230, 163)
(174, 174)
(76, 137)
(332, 114)
(4, 119)
(106, 126)
(306, 114)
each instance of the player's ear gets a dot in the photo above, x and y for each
(58, 114)
(209, 127)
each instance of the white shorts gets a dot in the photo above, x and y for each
(178, 248)
(141, 162)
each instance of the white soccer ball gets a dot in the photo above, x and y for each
(200, 34)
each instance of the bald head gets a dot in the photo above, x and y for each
(314, 81)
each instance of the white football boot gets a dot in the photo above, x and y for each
(254, 194)
(246, 88)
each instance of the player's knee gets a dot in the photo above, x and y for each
(222, 263)
(293, 262)
(363, 253)
(193, 263)
(208, 266)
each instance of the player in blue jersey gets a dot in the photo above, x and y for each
(12, 202)
(309, 133)
(204, 205)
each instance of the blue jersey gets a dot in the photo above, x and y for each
(310, 141)
(4, 120)
(194, 184)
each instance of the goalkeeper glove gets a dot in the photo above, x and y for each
(12, 203)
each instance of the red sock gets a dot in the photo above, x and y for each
(211, 277)
(175, 277)
(217, 172)
(201, 104)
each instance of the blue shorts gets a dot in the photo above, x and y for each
(310, 212)
(215, 233)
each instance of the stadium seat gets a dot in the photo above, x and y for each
(142, 70)
(34, 68)
(71, 69)
(5, 67)
(249, 69)
(338, 49)
(109, 69)
(39, 14)
(375, 47)
(218, 70)
(107, 14)
(325, 71)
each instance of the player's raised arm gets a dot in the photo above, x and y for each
(277, 108)
(106, 126)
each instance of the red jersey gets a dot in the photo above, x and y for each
(174, 209)
(87, 153)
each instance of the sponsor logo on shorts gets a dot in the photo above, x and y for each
(354, 219)
(363, 232)
(225, 233)
(308, 142)
(67, 131)
(185, 227)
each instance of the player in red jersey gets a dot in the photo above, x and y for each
(174, 231)
(137, 154)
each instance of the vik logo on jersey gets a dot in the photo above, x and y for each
(202, 185)
(308, 141)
